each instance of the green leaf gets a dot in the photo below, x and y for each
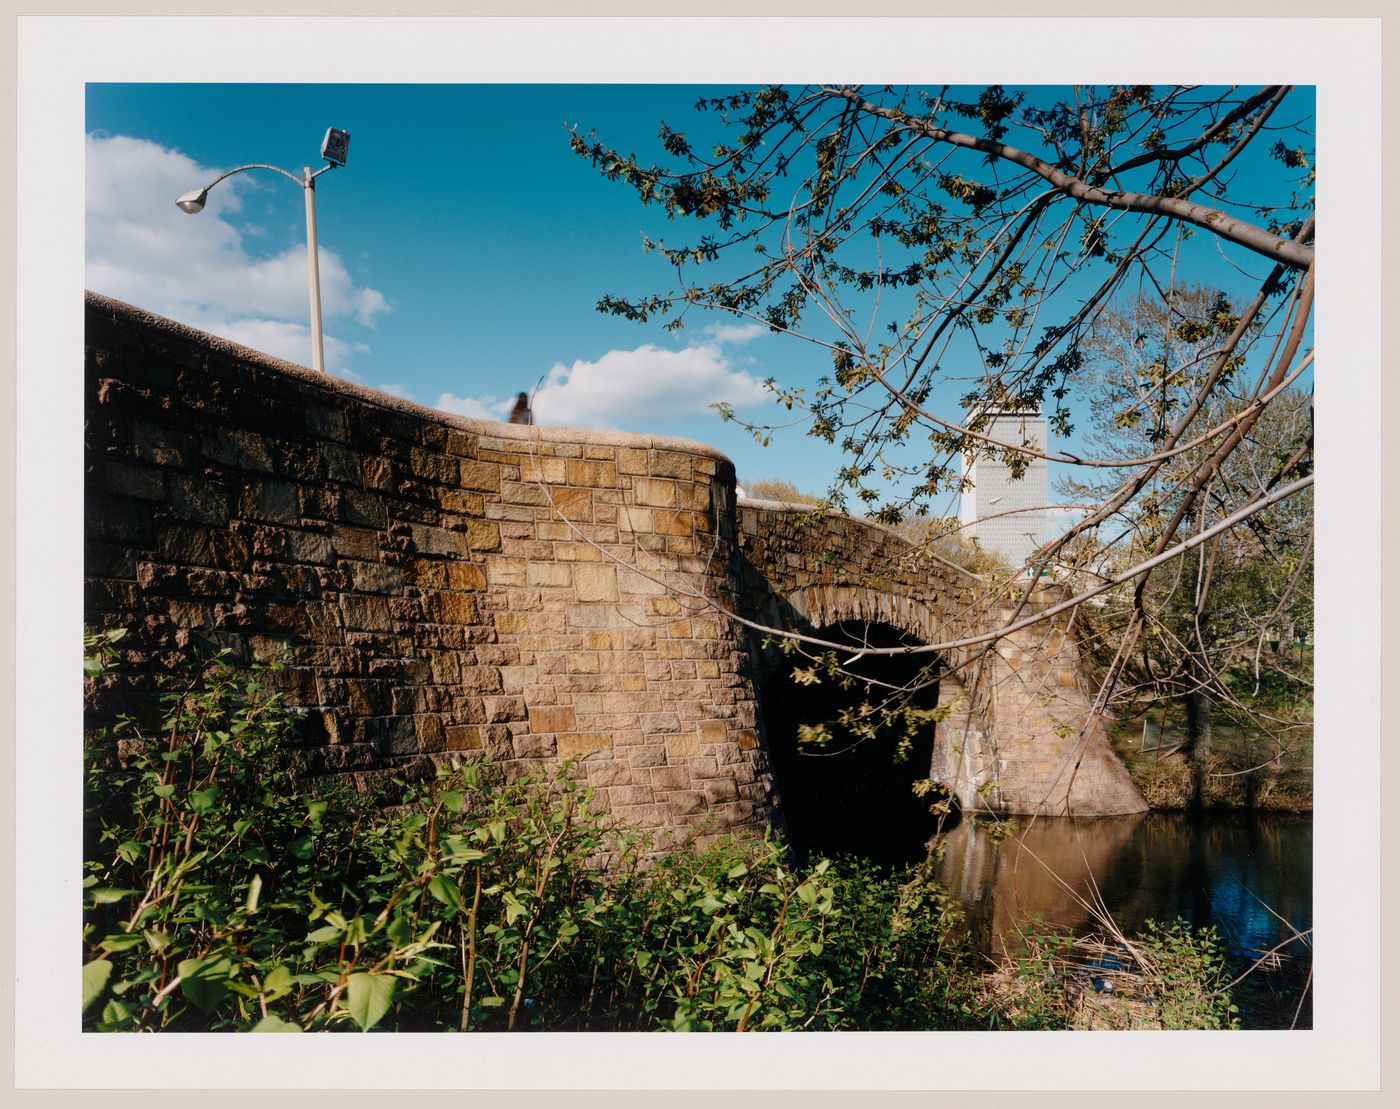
(116, 1015)
(254, 891)
(453, 800)
(204, 981)
(105, 895)
(277, 982)
(95, 975)
(202, 800)
(368, 996)
(445, 890)
(399, 931)
(164, 792)
(737, 871)
(301, 847)
(273, 1023)
(122, 941)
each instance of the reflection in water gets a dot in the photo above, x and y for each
(1249, 876)
(1049, 869)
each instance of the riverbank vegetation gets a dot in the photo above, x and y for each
(225, 890)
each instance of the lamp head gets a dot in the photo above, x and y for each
(335, 146)
(193, 202)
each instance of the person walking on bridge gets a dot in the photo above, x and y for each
(521, 414)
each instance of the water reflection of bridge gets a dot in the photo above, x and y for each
(1249, 876)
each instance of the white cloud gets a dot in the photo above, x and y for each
(141, 248)
(485, 408)
(635, 389)
(735, 333)
(643, 387)
(396, 390)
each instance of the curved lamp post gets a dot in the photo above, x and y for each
(334, 148)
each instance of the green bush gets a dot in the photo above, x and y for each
(226, 890)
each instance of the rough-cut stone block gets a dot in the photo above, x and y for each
(353, 542)
(378, 473)
(686, 803)
(502, 709)
(374, 577)
(481, 475)
(670, 777)
(658, 494)
(547, 574)
(631, 461)
(431, 735)
(556, 719)
(534, 746)
(712, 731)
(582, 744)
(591, 475)
(595, 582)
(681, 745)
(435, 541)
(720, 791)
(365, 613)
(484, 535)
(464, 737)
(142, 482)
(582, 662)
(670, 464)
(462, 503)
(502, 571)
(633, 519)
(675, 523)
(575, 505)
(695, 496)
(543, 469)
(450, 608)
(635, 584)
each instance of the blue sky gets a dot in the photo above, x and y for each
(464, 249)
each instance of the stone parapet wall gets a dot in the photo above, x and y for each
(443, 585)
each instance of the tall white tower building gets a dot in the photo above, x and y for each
(1018, 519)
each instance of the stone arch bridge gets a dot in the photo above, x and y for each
(447, 585)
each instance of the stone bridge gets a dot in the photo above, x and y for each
(447, 585)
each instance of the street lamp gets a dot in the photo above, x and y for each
(334, 148)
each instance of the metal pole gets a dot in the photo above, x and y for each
(318, 353)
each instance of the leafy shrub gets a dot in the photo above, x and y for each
(225, 890)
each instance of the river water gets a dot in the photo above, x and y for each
(1248, 875)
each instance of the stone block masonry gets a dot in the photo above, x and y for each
(447, 586)
(443, 585)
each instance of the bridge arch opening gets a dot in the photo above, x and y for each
(852, 795)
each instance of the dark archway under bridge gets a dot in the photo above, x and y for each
(851, 793)
(1020, 737)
